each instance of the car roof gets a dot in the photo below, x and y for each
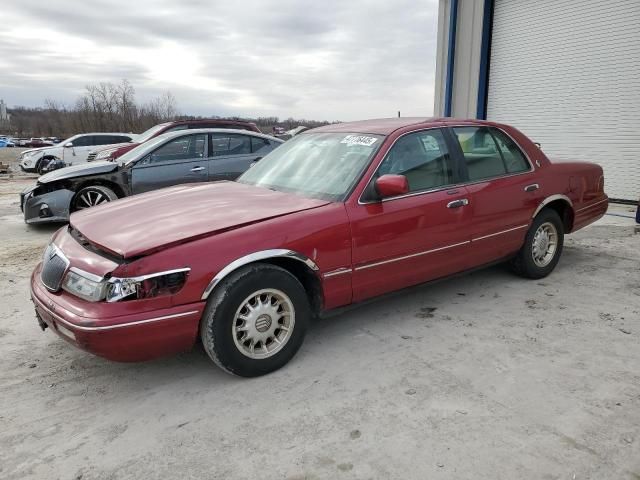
(209, 120)
(386, 126)
(190, 131)
(103, 133)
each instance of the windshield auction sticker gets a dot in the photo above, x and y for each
(359, 140)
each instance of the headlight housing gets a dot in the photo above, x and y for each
(84, 285)
(94, 288)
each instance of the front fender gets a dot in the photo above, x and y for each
(256, 257)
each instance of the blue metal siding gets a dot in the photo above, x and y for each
(485, 52)
(451, 52)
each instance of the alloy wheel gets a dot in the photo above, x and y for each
(90, 198)
(545, 244)
(263, 323)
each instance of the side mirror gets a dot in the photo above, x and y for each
(68, 145)
(392, 185)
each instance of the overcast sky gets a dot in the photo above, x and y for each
(323, 60)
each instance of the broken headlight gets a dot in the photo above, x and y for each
(94, 288)
(146, 286)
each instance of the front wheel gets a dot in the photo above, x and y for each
(542, 246)
(255, 321)
(92, 196)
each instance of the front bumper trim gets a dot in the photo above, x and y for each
(109, 327)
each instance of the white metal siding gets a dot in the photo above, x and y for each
(567, 73)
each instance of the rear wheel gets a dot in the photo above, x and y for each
(542, 246)
(92, 196)
(255, 320)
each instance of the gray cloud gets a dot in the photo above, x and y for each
(322, 60)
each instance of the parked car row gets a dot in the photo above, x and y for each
(7, 142)
(179, 156)
(115, 151)
(334, 216)
(88, 147)
(71, 151)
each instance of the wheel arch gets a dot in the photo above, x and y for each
(563, 206)
(300, 266)
(117, 189)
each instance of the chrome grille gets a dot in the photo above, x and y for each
(54, 267)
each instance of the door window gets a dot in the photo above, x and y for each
(84, 141)
(230, 144)
(513, 157)
(422, 157)
(181, 148)
(260, 145)
(489, 153)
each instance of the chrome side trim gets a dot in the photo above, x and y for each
(90, 276)
(550, 199)
(593, 205)
(500, 233)
(141, 278)
(397, 259)
(337, 271)
(255, 257)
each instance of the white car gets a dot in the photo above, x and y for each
(70, 151)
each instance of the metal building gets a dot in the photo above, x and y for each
(565, 72)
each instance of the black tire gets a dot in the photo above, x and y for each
(524, 263)
(96, 194)
(218, 324)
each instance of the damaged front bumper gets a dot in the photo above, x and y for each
(45, 207)
(112, 332)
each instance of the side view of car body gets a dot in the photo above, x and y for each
(184, 156)
(71, 151)
(334, 216)
(113, 152)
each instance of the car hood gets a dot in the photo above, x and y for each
(39, 149)
(153, 221)
(93, 168)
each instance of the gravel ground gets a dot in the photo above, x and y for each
(483, 376)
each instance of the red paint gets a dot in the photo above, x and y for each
(392, 185)
(382, 246)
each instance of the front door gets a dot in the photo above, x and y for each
(180, 160)
(79, 151)
(416, 237)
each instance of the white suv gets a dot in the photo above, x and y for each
(70, 151)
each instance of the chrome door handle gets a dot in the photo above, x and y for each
(531, 188)
(197, 169)
(458, 203)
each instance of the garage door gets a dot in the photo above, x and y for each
(567, 73)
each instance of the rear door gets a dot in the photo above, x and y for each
(230, 155)
(503, 186)
(180, 160)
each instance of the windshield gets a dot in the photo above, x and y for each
(147, 134)
(316, 165)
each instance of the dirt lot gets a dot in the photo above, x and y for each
(484, 376)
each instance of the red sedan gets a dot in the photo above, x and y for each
(335, 216)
